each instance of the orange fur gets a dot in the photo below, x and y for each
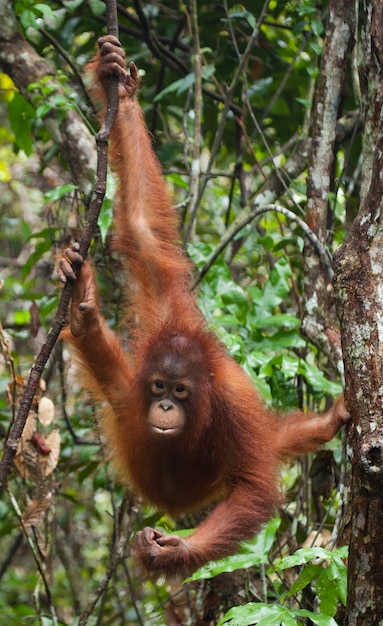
(227, 445)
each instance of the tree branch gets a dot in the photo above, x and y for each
(339, 41)
(24, 65)
(12, 442)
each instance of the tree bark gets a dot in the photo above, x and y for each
(359, 294)
(22, 63)
(319, 323)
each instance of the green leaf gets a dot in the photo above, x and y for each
(301, 556)
(331, 578)
(44, 9)
(306, 577)
(327, 589)
(259, 613)
(21, 115)
(207, 71)
(178, 180)
(41, 248)
(97, 7)
(272, 615)
(342, 576)
(25, 229)
(253, 552)
(279, 320)
(43, 110)
(316, 47)
(276, 288)
(305, 8)
(316, 618)
(239, 12)
(318, 380)
(53, 195)
(28, 19)
(72, 4)
(22, 317)
(88, 469)
(283, 339)
(179, 86)
(331, 586)
(306, 103)
(105, 218)
(317, 27)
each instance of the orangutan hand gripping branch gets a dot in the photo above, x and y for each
(185, 425)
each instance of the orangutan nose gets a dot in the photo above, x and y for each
(166, 405)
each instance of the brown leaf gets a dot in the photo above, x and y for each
(35, 319)
(46, 411)
(35, 511)
(49, 463)
(37, 456)
(39, 443)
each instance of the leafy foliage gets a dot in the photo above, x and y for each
(74, 516)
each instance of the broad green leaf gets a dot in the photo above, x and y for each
(284, 320)
(327, 589)
(97, 7)
(318, 380)
(58, 192)
(316, 618)
(253, 552)
(72, 4)
(178, 86)
(178, 180)
(342, 576)
(301, 556)
(259, 613)
(22, 317)
(21, 115)
(28, 19)
(207, 71)
(105, 218)
(43, 110)
(263, 614)
(307, 575)
(317, 27)
(41, 248)
(44, 9)
(238, 11)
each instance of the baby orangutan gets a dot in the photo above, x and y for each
(185, 425)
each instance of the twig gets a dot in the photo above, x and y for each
(40, 565)
(227, 106)
(12, 442)
(308, 233)
(196, 153)
(116, 558)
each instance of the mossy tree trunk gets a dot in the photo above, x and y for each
(359, 295)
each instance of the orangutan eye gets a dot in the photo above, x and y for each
(157, 387)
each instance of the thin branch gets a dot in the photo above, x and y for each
(196, 152)
(227, 106)
(117, 557)
(12, 442)
(310, 236)
(40, 565)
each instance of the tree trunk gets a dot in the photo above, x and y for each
(359, 294)
(318, 320)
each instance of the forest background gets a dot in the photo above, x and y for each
(267, 119)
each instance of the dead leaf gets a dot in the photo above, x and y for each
(35, 511)
(46, 411)
(49, 463)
